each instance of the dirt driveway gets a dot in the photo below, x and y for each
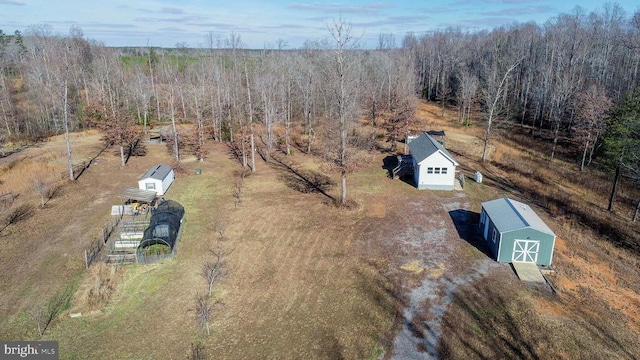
(434, 248)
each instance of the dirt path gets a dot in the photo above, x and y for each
(435, 251)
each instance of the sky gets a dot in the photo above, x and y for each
(264, 24)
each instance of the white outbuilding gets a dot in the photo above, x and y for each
(433, 166)
(157, 179)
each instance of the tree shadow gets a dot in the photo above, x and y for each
(51, 192)
(235, 152)
(485, 323)
(79, 169)
(304, 180)
(383, 293)
(466, 223)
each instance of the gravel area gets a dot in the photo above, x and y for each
(439, 236)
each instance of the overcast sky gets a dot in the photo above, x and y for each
(261, 23)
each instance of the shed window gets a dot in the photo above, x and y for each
(444, 170)
(150, 186)
(429, 170)
(437, 171)
(494, 236)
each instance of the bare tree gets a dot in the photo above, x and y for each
(401, 97)
(197, 88)
(204, 312)
(44, 315)
(197, 351)
(493, 92)
(250, 111)
(466, 94)
(108, 111)
(342, 81)
(45, 189)
(592, 108)
(215, 268)
(305, 79)
(171, 74)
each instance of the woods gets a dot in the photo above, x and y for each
(557, 80)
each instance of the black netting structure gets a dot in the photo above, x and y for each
(164, 229)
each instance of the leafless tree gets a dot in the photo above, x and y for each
(204, 308)
(45, 189)
(197, 88)
(342, 82)
(592, 108)
(252, 140)
(197, 351)
(44, 315)
(401, 99)
(306, 82)
(174, 83)
(495, 79)
(108, 110)
(215, 268)
(466, 95)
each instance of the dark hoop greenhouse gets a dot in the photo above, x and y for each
(160, 239)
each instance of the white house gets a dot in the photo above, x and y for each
(158, 179)
(433, 167)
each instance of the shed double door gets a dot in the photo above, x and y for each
(525, 251)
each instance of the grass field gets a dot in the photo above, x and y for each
(401, 272)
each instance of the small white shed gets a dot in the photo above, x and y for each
(433, 167)
(157, 179)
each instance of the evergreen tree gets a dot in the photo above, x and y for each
(622, 141)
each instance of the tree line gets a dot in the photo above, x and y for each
(561, 78)
(573, 78)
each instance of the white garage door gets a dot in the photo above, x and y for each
(525, 251)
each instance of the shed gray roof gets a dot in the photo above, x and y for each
(158, 172)
(424, 146)
(508, 215)
(138, 194)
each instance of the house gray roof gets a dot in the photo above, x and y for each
(158, 172)
(509, 215)
(424, 146)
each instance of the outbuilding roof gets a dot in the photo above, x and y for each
(424, 146)
(147, 196)
(508, 215)
(158, 172)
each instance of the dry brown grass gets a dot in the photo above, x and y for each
(596, 259)
(96, 289)
(18, 177)
(305, 278)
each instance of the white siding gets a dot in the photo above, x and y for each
(159, 186)
(433, 180)
(168, 180)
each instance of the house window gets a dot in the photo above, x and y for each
(437, 171)
(494, 236)
(429, 170)
(444, 170)
(150, 186)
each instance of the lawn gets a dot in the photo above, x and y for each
(401, 272)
